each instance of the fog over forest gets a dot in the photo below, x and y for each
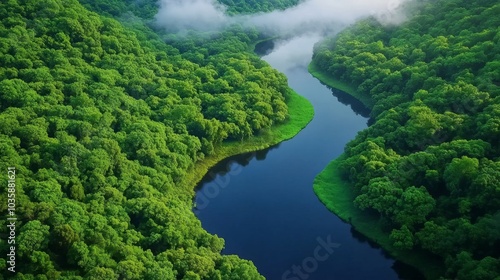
(308, 16)
(300, 26)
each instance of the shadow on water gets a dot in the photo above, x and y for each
(224, 166)
(404, 271)
(348, 100)
(363, 239)
(407, 272)
(357, 106)
(267, 218)
(264, 48)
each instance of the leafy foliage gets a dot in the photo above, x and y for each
(429, 165)
(252, 6)
(148, 8)
(102, 122)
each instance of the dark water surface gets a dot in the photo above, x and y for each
(264, 206)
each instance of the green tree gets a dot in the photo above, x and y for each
(33, 236)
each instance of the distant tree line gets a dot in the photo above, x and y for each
(146, 9)
(253, 6)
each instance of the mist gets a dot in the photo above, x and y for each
(293, 53)
(325, 16)
(298, 27)
(316, 16)
(184, 15)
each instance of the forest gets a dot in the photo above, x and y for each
(104, 117)
(429, 165)
(102, 121)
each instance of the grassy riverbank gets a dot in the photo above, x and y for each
(334, 83)
(338, 196)
(301, 112)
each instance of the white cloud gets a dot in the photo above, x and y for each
(292, 53)
(201, 15)
(300, 27)
(327, 15)
(309, 16)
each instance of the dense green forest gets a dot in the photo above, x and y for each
(252, 6)
(429, 166)
(105, 118)
(146, 9)
(103, 121)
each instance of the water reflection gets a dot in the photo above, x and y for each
(403, 270)
(346, 99)
(264, 48)
(406, 272)
(363, 239)
(224, 167)
(267, 211)
(357, 106)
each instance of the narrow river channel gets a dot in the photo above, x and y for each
(263, 203)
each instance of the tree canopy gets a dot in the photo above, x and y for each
(102, 119)
(430, 163)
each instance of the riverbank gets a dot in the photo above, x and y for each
(334, 83)
(338, 197)
(251, 47)
(300, 111)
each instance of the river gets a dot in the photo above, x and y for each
(263, 203)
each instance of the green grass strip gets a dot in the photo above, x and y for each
(301, 112)
(338, 196)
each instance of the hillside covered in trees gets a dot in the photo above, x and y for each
(102, 123)
(146, 9)
(429, 166)
(252, 6)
